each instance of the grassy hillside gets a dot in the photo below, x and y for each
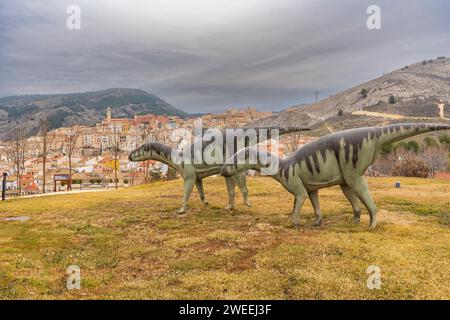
(130, 244)
(86, 108)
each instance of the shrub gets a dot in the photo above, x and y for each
(387, 149)
(125, 181)
(410, 146)
(401, 161)
(445, 139)
(411, 166)
(340, 112)
(171, 174)
(392, 99)
(154, 175)
(364, 92)
(430, 142)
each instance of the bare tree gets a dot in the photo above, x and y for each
(44, 127)
(116, 150)
(16, 150)
(404, 162)
(70, 147)
(410, 164)
(292, 142)
(146, 135)
(436, 157)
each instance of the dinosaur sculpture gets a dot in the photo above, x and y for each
(340, 159)
(193, 173)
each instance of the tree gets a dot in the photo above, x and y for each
(340, 112)
(364, 92)
(16, 150)
(115, 148)
(430, 142)
(145, 134)
(409, 164)
(405, 160)
(445, 139)
(44, 127)
(171, 174)
(410, 146)
(436, 157)
(71, 147)
(392, 99)
(292, 142)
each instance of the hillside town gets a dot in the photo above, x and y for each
(81, 157)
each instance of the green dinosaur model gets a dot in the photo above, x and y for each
(194, 173)
(340, 159)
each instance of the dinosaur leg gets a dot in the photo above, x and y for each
(231, 184)
(188, 186)
(298, 203)
(361, 189)
(353, 199)
(201, 192)
(314, 197)
(242, 184)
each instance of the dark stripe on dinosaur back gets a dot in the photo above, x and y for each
(159, 149)
(353, 140)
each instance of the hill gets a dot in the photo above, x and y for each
(85, 108)
(418, 92)
(131, 244)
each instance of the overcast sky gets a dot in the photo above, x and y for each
(209, 55)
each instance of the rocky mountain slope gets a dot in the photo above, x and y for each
(418, 92)
(77, 108)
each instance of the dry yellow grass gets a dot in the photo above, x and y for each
(130, 244)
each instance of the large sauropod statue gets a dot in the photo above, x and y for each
(194, 173)
(340, 159)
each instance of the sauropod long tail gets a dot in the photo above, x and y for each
(396, 132)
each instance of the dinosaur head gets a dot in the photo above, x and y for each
(140, 154)
(151, 151)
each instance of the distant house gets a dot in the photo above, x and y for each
(442, 175)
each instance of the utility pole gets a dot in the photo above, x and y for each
(317, 95)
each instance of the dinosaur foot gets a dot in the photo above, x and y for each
(181, 211)
(248, 203)
(229, 208)
(317, 222)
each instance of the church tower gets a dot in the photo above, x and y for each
(108, 115)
